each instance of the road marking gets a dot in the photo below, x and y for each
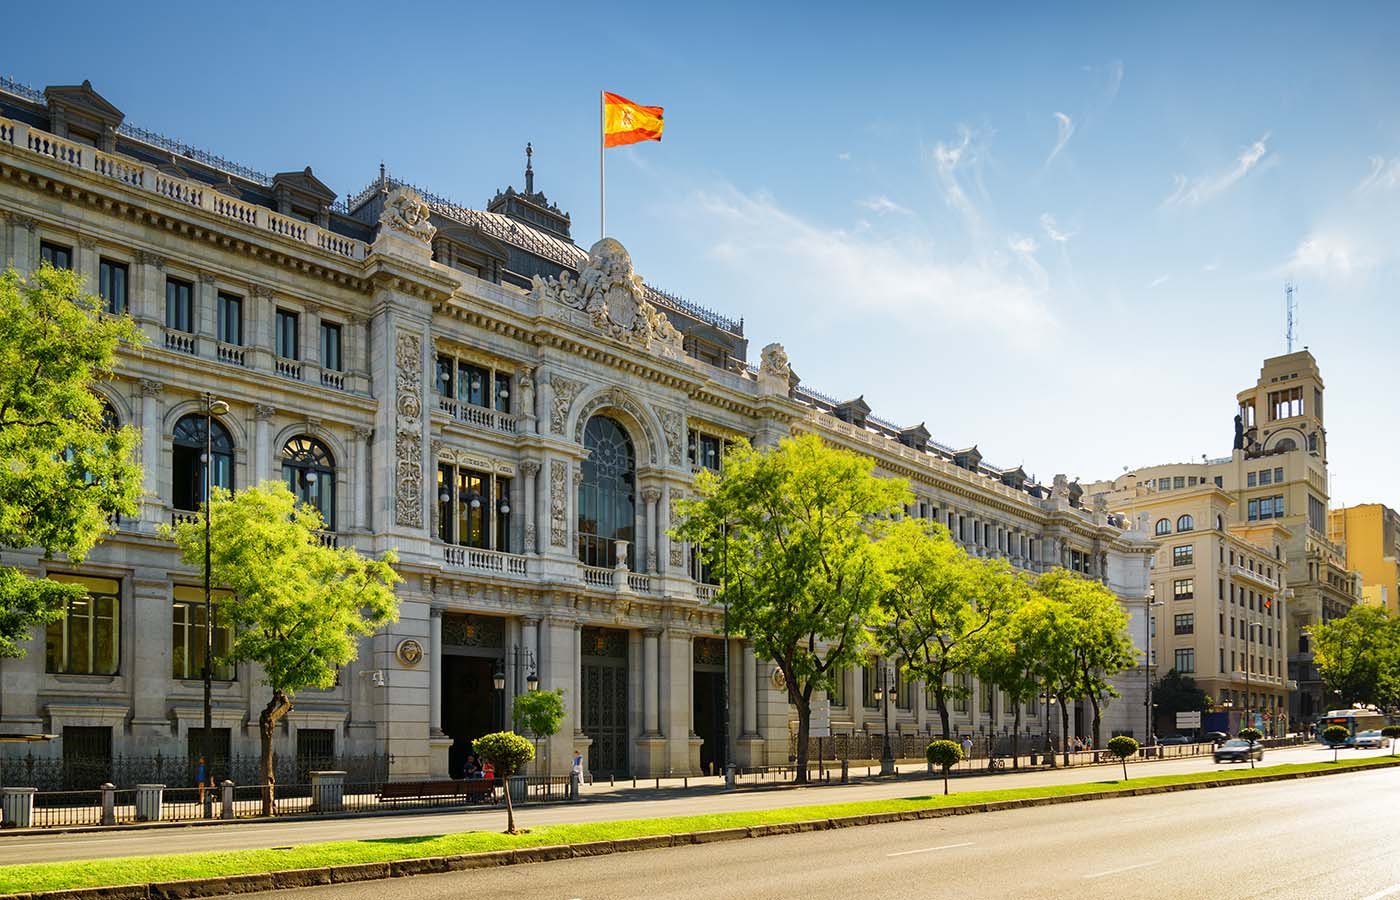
(931, 849)
(1116, 871)
(1388, 892)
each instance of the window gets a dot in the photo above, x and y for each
(1222, 659)
(187, 466)
(1185, 523)
(1285, 404)
(56, 255)
(867, 687)
(837, 692)
(473, 384)
(230, 319)
(1185, 623)
(985, 698)
(1220, 589)
(111, 286)
(705, 450)
(1247, 414)
(964, 691)
(502, 392)
(606, 496)
(1220, 481)
(188, 637)
(1222, 624)
(1186, 660)
(1179, 482)
(502, 508)
(904, 699)
(309, 471)
(1164, 526)
(84, 640)
(1278, 475)
(179, 305)
(286, 336)
(1317, 514)
(1184, 588)
(443, 381)
(1251, 479)
(330, 346)
(1164, 484)
(1184, 556)
(473, 504)
(1266, 476)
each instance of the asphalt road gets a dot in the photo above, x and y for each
(1329, 838)
(41, 847)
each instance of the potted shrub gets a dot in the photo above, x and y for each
(1123, 747)
(1251, 734)
(945, 755)
(506, 751)
(1336, 735)
(1392, 732)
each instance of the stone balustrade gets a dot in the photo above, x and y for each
(139, 176)
(484, 560)
(481, 416)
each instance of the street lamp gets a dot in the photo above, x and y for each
(1149, 739)
(885, 691)
(514, 657)
(212, 408)
(1248, 665)
(1049, 741)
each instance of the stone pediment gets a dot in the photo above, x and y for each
(304, 183)
(81, 101)
(611, 294)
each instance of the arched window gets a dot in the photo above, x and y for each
(1164, 526)
(187, 463)
(309, 471)
(1185, 523)
(607, 494)
(1219, 523)
(1286, 445)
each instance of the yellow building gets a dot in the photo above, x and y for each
(1370, 533)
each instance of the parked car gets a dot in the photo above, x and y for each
(1174, 739)
(1368, 739)
(1215, 737)
(1238, 750)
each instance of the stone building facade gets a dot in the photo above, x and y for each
(515, 416)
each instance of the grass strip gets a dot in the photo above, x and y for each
(37, 877)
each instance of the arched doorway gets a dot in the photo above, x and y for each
(607, 509)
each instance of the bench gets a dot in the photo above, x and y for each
(451, 791)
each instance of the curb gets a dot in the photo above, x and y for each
(303, 878)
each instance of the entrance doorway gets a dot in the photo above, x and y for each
(604, 696)
(709, 719)
(470, 706)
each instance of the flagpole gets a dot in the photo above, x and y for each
(602, 178)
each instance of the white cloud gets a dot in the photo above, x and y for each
(881, 205)
(1384, 176)
(1195, 191)
(1066, 131)
(1052, 229)
(1115, 78)
(844, 157)
(1329, 255)
(1158, 281)
(949, 160)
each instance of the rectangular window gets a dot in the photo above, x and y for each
(1185, 623)
(1317, 514)
(1220, 589)
(473, 384)
(1252, 479)
(904, 699)
(442, 382)
(472, 501)
(1254, 510)
(1164, 484)
(502, 392)
(1266, 476)
(867, 687)
(230, 316)
(56, 255)
(188, 636)
(1285, 404)
(85, 640)
(330, 346)
(1278, 475)
(111, 286)
(1184, 556)
(1222, 624)
(1220, 481)
(1186, 660)
(179, 305)
(1184, 588)
(444, 495)
(1222, 659)
(286, 345)
(965, 686)
(1179, 482)
(503, 514)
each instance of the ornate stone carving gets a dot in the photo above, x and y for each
(651, 494)
(774, 361)
(673, 426)
(529, 468)
(405, 211)
(1061, 488)
(363, 432)
(25, 222)
(264, 411)
(565, 390)
(1101, 504)
(525, 391)
(530, 536)
(150, 388)
(260, 290)
(87, 243)
(614, 298)
(616, 399)
(146, 258)
(408, 441)
(207, 278)
(558, 507)
(677, 547)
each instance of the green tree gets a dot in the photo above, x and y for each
(1046, 631)
(540, 713)
(298, 607)
(1358, 655)
(1123, 746)
(1251, 735)
(1008, 658)
(796, 557)
(1336, 735)
(944, 754)
(1099, 633)
(1175, 693)
(66, 470)
(507, 753)
(940, 607)
(1392, 732)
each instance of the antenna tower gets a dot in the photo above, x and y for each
(1291, 306)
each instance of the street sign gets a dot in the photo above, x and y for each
(821, 717)
(1188, 720)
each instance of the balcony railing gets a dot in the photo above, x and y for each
(639, 582)
(1258, 577)
(142, 177)
(484, 560)
(478, 415)
(333, 379)
(289, 368)
(182, 516)
(597, 576)
(327, 538)
(233, 354)
(706, 592)
(180, 342)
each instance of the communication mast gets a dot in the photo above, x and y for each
(1291, 307)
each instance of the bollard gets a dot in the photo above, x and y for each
(685, 782)
(730, 776)
(18, 804)
(328, 791)
(109, 804)
(227, 789)
(612, 779)
(574, 780)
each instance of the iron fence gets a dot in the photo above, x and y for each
(56, 774)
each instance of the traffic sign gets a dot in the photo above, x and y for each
(821, 717)
(1188, 720)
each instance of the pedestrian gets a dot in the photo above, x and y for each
(967, 746)
(578, 767)
(200, 778)
(488, 770)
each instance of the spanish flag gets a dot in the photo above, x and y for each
(625, 122)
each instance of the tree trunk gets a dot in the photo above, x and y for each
(1124, 761)
(510, 809)
(1016, 739)
(945, 781)
(276, 708)
(941, 694)
(1098, 720)
(1064, 729)
(803, 702)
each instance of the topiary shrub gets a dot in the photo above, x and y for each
(1250, 734)
(506, 752)
(1336, 735)
(1123, 747)
(945, 755)
(1392, 732)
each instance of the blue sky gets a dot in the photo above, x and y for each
(1059, 234)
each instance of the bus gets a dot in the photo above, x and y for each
(1353, 720)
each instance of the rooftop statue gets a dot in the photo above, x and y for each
(405, 211)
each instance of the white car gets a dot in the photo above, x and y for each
(1369, 739)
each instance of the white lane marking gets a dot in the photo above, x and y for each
(1116, 871)
(1388, 892)
(931, 849)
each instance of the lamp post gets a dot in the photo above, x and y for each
(212, 408)
(1248, 665)
(885, 691)
(1227, 705)
(514, 657)
(1149, 738)
(726, 761)
(1049, 742)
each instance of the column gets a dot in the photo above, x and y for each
(206, 306)
(24, 243)
(529, 470)
(151, 444)
(529, 641)
(578, 678)
(86, 263)
(147, 300)
(558, 668)
(150, 680)
(311, 339)
(663, 536)
(651, 678)
(749, 701)
(261, 467)
(360, 481)
(571, 506)
(435, 671)
(650, 495)
(677, 719)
